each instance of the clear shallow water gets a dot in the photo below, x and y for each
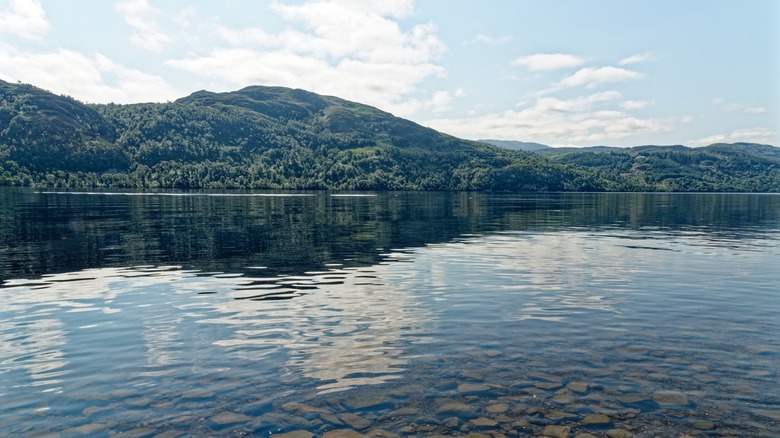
(410, 313)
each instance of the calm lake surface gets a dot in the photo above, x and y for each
(193, 314)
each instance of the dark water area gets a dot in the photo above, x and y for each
(389, 314)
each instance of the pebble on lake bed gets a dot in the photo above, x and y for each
(295, 434)
(342, 433)
(596, 419)
(227, 418)
(497, 408)
(484, 422)
(557, 431)
(578, 387)
(670, 398)
(472, 388)
(355, 421)
(454, 408)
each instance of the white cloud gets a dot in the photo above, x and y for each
(349, 48)
(591, 77)
(635, 59)
(311, 9)
(633, 104)
(706, 141)
(549, 61)
(142, 17)
(588, 119)
(489, 40)
(750, 135)
(754, 110)
(441, 101)
(740, 107)
(185, 17)
(92, 79)
(24, 18)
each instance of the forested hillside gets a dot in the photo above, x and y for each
(255, 138)
(739, 167)
(280, 138)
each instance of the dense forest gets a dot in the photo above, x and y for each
(281, 138)
(739, 167)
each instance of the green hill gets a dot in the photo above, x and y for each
(739, 167)
(281, 138)
(254, 138)
(41, 131)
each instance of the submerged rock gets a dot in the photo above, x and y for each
(227, 418)
(404, 412)
(633, 398)
(596, 419)
(619, 433)
(472, 388)
(559, 415)
(303, 409)
(557, 431)
(484, 422)
(295, 434)
(342, 433)
(674, 398)
(381, 433)
(355, 421)
(454, 408)
(372, 401)
(497, 408)
(578, 387)
(451, 422)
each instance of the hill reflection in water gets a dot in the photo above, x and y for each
(291, 233)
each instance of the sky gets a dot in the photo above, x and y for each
(557, 72)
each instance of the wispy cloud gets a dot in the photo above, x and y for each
(95, 79)
(353, 49)
(24, 19)
(750, 135)
(635, 59)
(738, 107)
(591, 77)
(489, 40)
(142, 18)
(442, 100)
(755, 110)
(633, 104)
(549, 61)
(587, 119)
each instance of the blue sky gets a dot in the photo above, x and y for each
(559, 72)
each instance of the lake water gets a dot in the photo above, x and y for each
(389, 314)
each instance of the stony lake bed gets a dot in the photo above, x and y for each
(389, 314)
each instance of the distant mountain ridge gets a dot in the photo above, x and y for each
(754, 148)
(517, 145)
(281, 138)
